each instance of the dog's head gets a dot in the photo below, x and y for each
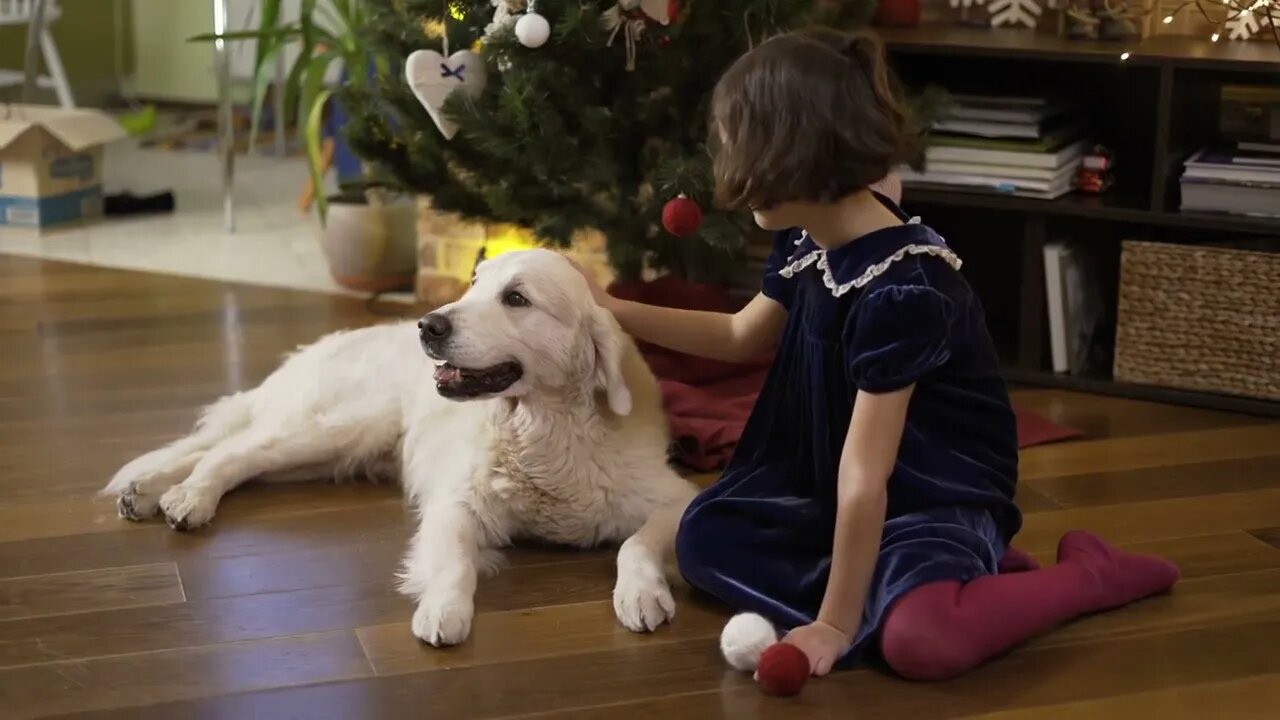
(527, 325)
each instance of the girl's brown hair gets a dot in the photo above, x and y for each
(809, 116)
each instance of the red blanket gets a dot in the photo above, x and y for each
(708, 401)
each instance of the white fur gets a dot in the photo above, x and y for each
(574, 453)
(744, 639)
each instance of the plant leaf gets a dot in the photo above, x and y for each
(315, 120)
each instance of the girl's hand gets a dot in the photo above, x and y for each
(823, 644)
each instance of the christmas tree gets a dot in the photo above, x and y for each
(597, 126)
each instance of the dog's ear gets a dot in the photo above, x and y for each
(606, 336)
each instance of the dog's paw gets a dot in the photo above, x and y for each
(642, 600)
(443, 618)
(187, 508)
(135, 506)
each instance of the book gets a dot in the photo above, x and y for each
(970, 107)
(1261, 199)
(1244, 166)
(992, 177)
(1055, 289)
(1051, 159)
(1009, 171)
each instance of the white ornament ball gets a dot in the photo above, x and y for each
(532, 30)
(744, 639)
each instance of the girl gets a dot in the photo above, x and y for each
(869, 505)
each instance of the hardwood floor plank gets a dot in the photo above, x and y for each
(373, 564)
(1156, 520)
(88, 515)
(1203, 555)
(1159, 483)
(1252, 698)
(541, 632)
(126, 681)
(92, 590)
(369, 522)
(1271, 536)
(278, 614)
(689, 680)
(1030, 678)
(1119, 454)
(1099, 416)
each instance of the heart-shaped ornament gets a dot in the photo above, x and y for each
(433, 78)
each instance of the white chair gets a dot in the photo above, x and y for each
(21, 12)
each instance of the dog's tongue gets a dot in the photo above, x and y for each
(447, 374)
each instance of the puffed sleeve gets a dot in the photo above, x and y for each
(774, 285)
(897, 335)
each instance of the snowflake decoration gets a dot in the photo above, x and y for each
(1243, 26)
(966, 4)
(1013, 12)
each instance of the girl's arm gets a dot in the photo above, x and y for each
(867, 460)
(736, 337)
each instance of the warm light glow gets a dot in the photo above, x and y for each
(505, 239)
(1215, 37)
(1168, 19)
(1124, 56)
(433, 28)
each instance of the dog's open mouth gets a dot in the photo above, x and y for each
(458, 383)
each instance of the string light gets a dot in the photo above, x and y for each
(1251, 15)
(1124, 56)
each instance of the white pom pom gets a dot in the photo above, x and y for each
(532, 30)
(744, 638)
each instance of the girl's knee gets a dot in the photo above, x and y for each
(921, 638)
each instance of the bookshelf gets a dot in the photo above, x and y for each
(1154, 108)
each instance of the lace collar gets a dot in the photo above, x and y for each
(858, 263)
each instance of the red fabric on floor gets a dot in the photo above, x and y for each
(708, 401)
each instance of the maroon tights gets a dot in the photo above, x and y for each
(943, 629)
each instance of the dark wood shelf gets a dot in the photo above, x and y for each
(1160, 50)
(1115, 207)
(1106, 386)
(1120, 207)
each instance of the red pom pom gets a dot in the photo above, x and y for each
(783, 669)
(681, 216)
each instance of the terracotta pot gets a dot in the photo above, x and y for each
(898, 13)
(371, 248)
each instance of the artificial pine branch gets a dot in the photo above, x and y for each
(564, 138)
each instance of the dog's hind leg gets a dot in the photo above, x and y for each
(139, 484)
(253, 452)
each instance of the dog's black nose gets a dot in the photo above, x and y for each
(435, 327)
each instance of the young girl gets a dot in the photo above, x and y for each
(869, 505)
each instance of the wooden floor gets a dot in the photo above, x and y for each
(284, 607)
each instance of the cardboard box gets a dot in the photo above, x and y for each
(51, 164)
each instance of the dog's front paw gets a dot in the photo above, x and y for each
(443, 618)
(187, 508)
(642, 600)
(135, 506)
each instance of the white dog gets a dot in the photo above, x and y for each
(563, 439)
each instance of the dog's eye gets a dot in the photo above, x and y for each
(514, 299)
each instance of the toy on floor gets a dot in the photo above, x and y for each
(750, 643)
(783, 669)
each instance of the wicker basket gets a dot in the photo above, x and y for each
(1199, 318)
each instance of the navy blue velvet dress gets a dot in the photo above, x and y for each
(877, 314)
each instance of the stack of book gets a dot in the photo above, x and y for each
(1027, 146)
(1244, 180)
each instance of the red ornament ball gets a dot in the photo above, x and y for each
(681, 216)
(783, 669)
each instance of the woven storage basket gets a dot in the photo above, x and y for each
(1199, 318)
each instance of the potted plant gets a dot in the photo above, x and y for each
(368, 235)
